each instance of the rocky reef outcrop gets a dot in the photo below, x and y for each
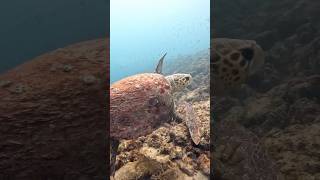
(168, 152)
(280, 104)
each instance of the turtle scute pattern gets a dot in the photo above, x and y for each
(233, 61)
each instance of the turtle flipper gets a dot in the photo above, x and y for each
(159, 66)
(191, 121)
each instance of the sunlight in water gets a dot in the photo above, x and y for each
(141, 31)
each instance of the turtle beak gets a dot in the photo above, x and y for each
(257, 60)
(190, 79)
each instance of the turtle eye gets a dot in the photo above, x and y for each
(247, 53)
(154, 101)
(187, 78)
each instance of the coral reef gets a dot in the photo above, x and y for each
(168, 152)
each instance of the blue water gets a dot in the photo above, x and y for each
(31, 28)
(141, 31)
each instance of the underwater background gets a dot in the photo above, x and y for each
(31, 28)
(276, 113)
(142, 31)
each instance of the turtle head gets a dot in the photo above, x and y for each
(179, 81)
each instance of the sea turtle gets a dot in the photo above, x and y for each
(233, 61)
(141, 103)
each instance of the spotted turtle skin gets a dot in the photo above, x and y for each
(233, 61)
(139, 104)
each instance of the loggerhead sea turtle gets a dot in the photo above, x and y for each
(141, 103)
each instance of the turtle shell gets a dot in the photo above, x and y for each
(139, 104)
